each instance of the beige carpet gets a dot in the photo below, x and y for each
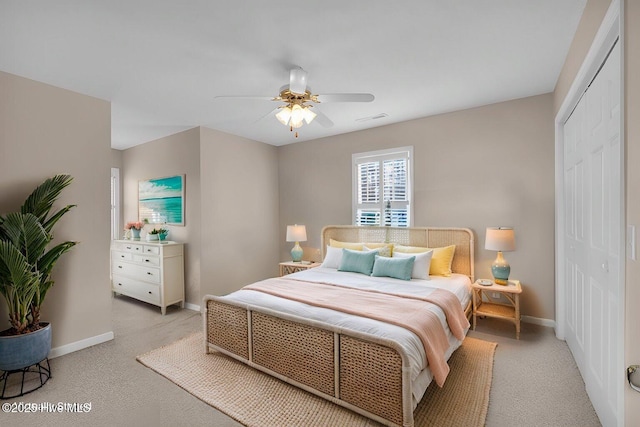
(256, 399)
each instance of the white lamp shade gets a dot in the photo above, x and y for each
(297, 116)
(309, 115)
(296, 233)
(500, 239)
(284, 115)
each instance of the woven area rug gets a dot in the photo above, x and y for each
(256, 399)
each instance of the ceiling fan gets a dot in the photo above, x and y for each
(298, 101)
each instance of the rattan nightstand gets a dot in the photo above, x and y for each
(485, 305)
(289, 267)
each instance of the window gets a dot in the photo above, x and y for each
(382, 187)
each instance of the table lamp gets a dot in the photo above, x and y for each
(501, 239)
(296, 233)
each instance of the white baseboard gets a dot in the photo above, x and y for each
(98, 339)
(79, 345)
(539, 321)
(190, 306)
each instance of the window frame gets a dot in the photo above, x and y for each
(380, 156)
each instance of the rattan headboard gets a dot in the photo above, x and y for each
(432, 237)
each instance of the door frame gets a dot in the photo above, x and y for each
(115, 204)
(609, 31)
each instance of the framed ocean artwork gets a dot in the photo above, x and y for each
(161, 200)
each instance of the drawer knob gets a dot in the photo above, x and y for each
(146, 260)
(119, 284)
(119, 266)
(128, 247)
(150, 293)
(149, 273)
(121, 256)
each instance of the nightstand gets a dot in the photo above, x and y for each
(484, 304)
(289, 267)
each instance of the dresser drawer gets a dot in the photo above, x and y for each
(131, 247)
(143, 291)
(123, 256)
(147, 260)
(151, 250)
(140, 272)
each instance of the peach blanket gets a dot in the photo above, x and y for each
(408, 311)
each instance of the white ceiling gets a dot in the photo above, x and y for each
(162, 63)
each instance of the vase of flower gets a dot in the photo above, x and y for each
(134, 228)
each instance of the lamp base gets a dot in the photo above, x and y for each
(296, 253)
(500, 270)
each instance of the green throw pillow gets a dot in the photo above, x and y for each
(357, 262)
(398, 268)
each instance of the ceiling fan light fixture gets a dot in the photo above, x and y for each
(309, 115)
(284, 115)
(297, 116)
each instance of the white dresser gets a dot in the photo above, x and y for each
(148, 271)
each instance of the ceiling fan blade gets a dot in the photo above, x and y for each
(322, 119)
(260, 98)
(267, 115)
(346, 97)
(298, 80)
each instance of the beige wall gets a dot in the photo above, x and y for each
(116, 158)
(240, 237)
(487, 166)
(44, 131)
(590, 21)
(632, 147)
(173, 155)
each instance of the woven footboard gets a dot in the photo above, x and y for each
(366, 374)
(371, 378)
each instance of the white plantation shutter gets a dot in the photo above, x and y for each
(382, 187)
(369, 182)
(395, 180)
(368, 217)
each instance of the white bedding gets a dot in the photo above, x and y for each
(421, 376)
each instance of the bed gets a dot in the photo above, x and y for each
(378, 370)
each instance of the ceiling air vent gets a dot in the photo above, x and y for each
(377, 116)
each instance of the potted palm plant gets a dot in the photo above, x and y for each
(26, 263)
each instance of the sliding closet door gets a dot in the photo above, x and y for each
(593, 192)
(576, 220)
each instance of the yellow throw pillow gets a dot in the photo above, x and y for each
(440, 262)
(346, 245)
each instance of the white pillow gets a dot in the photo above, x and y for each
(420, 266)
(332, 258)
